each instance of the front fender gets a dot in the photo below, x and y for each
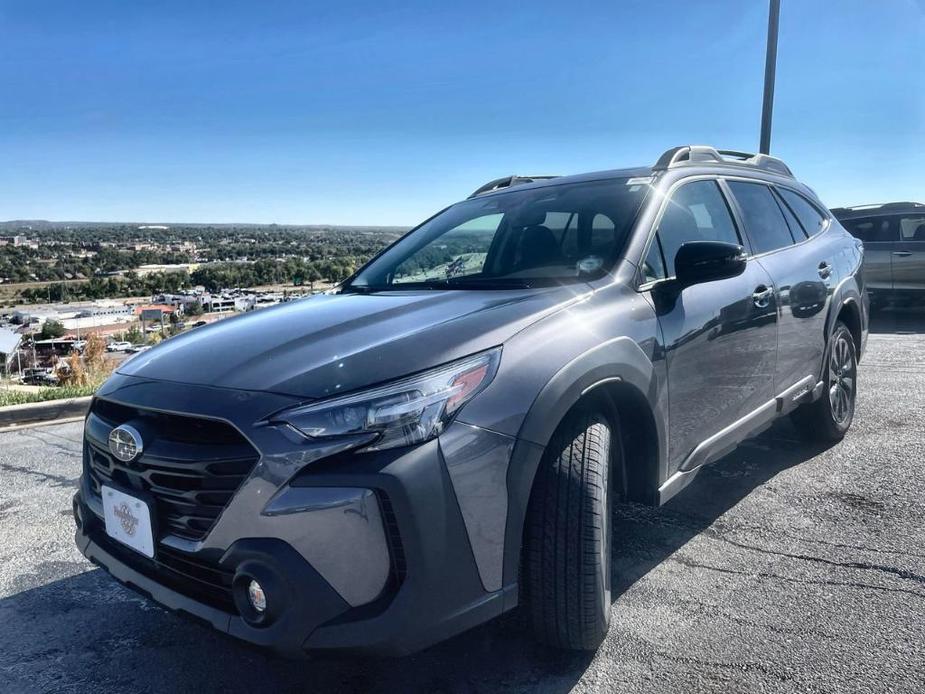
(619, 360)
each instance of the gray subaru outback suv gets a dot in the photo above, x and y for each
(444, 437)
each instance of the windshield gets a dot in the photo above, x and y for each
(531, 237)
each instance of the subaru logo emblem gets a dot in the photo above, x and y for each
(125, 443)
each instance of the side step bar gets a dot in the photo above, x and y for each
(725, 440)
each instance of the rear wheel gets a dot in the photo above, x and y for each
(567, 557)
(829, 417)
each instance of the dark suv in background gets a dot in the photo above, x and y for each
(445, 437)
(894, 249)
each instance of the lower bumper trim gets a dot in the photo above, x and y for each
(304, 599)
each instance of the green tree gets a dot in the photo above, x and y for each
(51, 330)
(133, 335)
(312, 275)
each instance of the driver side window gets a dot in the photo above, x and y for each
(695, 212)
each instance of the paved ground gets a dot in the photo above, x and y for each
(782, 568)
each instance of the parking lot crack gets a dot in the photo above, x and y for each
(57, 480)
(789, 579)
(866, 566)
(49, 440)
(713, 610)
(716, 664)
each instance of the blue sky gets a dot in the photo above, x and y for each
(381, 113)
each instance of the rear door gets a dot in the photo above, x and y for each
(909, 254)
(802, 268)
(880, 238)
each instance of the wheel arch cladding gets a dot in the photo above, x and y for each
(847, 306)
(850, 315)
(621, 374)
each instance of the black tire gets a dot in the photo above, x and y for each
(829, 418)
(567, 553)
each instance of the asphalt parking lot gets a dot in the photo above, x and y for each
(783, 568)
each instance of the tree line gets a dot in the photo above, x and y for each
(214, 277)
(66, 252)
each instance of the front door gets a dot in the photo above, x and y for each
(720, 337)
(909, 256)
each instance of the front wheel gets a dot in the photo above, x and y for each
(567, 554)
(829, 417)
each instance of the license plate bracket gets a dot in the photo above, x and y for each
(128, 519)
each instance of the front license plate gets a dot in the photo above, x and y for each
(128, 520)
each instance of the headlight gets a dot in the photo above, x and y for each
(401, 413)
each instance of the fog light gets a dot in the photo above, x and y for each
(257, 597)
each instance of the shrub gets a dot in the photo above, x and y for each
(15, 397)
(95, 352)
(51, 329)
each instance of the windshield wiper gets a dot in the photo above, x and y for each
(491, 283)
(449, 283)
(474, 283)
(361, 289)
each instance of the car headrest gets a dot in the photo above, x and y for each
(538, 246)
(532, 217)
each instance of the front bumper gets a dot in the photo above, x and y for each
(370, 551)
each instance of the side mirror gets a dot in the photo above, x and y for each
(706, 261)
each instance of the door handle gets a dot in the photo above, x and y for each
(825, 270)
(902, 254)
(762, 296)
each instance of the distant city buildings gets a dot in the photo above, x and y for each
(18, 241)
(142, 310)
(114, 318)
(182, 300)
(143, 270)
(75, 316)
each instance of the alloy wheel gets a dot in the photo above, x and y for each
(842, 378)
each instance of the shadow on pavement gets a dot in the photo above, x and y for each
(87, 630)
(647, 536)
(898, 320)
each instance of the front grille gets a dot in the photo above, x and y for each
(190, 467)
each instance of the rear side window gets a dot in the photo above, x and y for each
(796, 229)
(871, 230)
(696, 212)
(805, 211)
(764, 221)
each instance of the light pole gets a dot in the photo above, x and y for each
(770, 69)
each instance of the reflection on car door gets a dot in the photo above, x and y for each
(909, 254)
(720, 337)
(803, 270)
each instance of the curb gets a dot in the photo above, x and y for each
(14, 415)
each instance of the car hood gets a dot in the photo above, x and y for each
(328, 344)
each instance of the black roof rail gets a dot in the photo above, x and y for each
(704, 154)
(507, 182)
(885, 206)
